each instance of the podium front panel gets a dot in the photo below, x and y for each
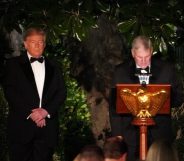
(121, 107)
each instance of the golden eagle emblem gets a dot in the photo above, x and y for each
(143, 103)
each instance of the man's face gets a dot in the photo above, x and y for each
(142, 56)
(35, 45)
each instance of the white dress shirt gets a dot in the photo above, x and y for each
(39, 75)
(143, 78)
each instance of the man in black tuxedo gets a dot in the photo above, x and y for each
(35, 90)
(162, 73)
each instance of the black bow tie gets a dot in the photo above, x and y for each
(143, 71)
(41, 59)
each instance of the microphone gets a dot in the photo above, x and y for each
(143, 75)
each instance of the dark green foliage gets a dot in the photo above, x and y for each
(75, 131)
(178, 119)
(65, 20)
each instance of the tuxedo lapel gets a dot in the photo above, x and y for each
(26, 67)
(154, 71)
(132, 71)
(48, 76)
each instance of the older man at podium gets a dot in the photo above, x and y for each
(143, 68)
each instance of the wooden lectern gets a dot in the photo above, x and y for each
(127, 96)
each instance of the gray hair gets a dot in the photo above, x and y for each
(142, 40)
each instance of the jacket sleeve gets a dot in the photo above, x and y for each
(177, 90)
(14, 93)
(116, 120)
(58, 97)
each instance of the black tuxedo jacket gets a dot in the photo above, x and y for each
(22, 96)
(162, 73)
